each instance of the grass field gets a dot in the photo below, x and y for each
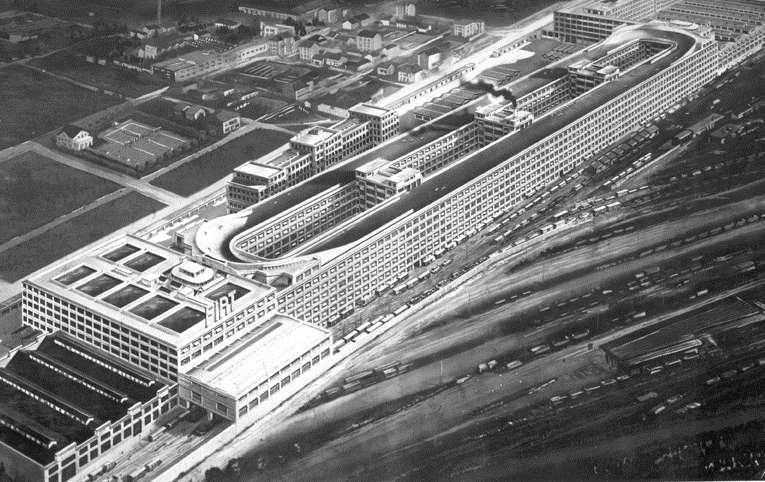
(34, 103)
(496, 13)
(208, 168)
(109, 77)
(23, 259)
(35, 190)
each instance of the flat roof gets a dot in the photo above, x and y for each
(503, 149)
(264, 351)
(345, 173)
(256, 169)
(369, 109)
(131, 280)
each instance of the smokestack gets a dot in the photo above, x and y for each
(159, 12)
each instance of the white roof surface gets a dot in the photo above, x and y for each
(257, 356)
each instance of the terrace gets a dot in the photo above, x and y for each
(157, 291)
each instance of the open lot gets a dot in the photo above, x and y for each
(35, 190)
(206, 169)
(23, 259)
(34, 103)
(494, 12)
(108, 77)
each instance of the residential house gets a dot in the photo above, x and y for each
(189, 112)
(74, 138)
(368, 41)
(227, 121)
(332, 59)
(307, 50)
(410, 73)
(350, 24)
(386, 70)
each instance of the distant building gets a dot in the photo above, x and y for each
(202, 62)
(269, 29)
(386, 70)
(410, 73)
(357, 21)
(228, 121)
(405, 9)
(332, 59)
(282, 45)
(160, 45)
(595, 20)
(391, 50)
(368, 41)
(189, 112)
(328, 15)
(307, 50)
(429, 58)
(469, 28)
(74, 138)
(227, 24)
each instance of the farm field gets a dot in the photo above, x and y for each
(35, 103)
(108, 77)
(189, 178)
(35, 190)
(23, 259)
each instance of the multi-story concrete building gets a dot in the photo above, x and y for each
(469, 28)
(368, 41)
(497, 120)
(349, 261)
(147, 305)
(309, 152)
(597, 19)
(381, 179)
(202, 62)
(179, 318)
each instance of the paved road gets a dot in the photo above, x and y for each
(61, 219)
(142, 186)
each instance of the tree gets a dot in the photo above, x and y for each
(214, 474)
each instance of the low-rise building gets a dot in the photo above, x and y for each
(64, 405)
(74, 138)
(308, 50)
(386, 69)
(245, 379)
(269, 29)
(227, 24)
(429, 58)
(469, 28)
(227, 121)
(410, 73)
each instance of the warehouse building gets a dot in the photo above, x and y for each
(65, 406)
